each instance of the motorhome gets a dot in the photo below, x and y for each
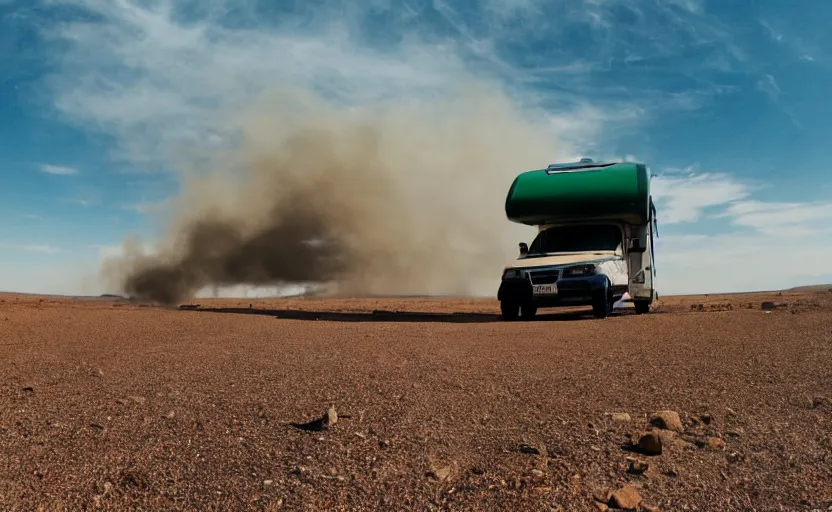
(596, 224)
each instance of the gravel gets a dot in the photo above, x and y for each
(112, 405)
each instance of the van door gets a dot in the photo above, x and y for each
(641, 263)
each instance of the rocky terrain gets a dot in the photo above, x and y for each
(708, 403)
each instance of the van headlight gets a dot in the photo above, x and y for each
(579, 271)
(512, 273)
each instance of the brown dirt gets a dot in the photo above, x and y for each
(110, 405)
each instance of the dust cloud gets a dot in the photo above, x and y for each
(389, 198)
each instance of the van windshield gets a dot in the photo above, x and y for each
(587, 238)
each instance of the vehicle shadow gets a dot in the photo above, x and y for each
(386, 316)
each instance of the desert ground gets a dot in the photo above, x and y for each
(110, 405)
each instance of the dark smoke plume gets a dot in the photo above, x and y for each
(390, 199)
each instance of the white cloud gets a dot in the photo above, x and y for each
(39, 248)
(768, 85)
(79, 202)
(147, 207)
(772, 245)
(167, 87)
(685, 198)
(738, 262)
(58, 170)
(782, 219)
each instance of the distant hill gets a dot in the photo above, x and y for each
(812, 288)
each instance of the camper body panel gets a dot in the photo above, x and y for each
(583, 254)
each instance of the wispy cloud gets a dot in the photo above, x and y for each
(777, 36)
(40, 248)
(736, 262)
(167, 84)
(793, 237)
(148, 206)
(782, 219)
(78, 201)
(58, 170)
(684, 198)
(768, 85)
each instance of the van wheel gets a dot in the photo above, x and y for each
(528, 312)
(602, 302)
(510, 310)
(642, 307)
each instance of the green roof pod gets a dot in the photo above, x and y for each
(584, 191)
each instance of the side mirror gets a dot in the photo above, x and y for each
(524, 249)
(636, 247)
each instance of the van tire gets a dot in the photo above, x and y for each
(602, 302)
(510, 310)
(528, 312)
(642, 307)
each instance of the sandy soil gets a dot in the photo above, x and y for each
(111, 405)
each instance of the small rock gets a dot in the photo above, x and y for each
(300, 470)
(715, 443)
(706, 418)
(687, 442)
(441, 474)
(730, 412)
(329, 419)
(138, 399)
(29, 389)
(602, 497)
(529, 450)
(819, 401)
(268, 482)
(170, 415)
(649, 508)
(601, 507)
(734, 457)
(767, 306)
(626, 497)
(650, 443)
(620, 416)
(668, 420)
(537, 473)
(735, 432)
(637, 467)
(667, 436)
(331, 416)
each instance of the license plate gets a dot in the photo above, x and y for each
(545, 289)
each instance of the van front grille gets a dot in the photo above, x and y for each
(544, 276)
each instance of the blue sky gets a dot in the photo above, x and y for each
(727, 101)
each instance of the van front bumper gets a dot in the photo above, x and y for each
(572, 291)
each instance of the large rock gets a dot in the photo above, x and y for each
(650, 443)
(668, 420)
(626, 498)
